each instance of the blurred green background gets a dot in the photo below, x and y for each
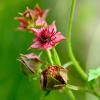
(85, 41)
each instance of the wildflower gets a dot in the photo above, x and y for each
(46, 38)
(32, 18)
(54, 77)
(30, 63)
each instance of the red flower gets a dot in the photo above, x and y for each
(46, 37)
(32, 18)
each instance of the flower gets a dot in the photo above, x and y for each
(47, 37)
(30, 63)
(32, 18)
(54, 77)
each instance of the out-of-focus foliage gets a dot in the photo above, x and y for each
(94, 74)
(13, 84)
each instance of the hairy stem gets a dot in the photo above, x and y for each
(72, 57)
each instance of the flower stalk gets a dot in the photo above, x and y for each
(71, 54)
(72, 57)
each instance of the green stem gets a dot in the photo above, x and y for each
(72, 57)
(94, 91)
(50, 57)
(70, 94)
(56, 57)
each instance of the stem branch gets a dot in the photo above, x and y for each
(72, 57)
(71, 54)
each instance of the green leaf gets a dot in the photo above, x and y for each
(72, 87)
(94, 74)
(67, 64)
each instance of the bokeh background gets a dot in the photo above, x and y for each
(85, 41)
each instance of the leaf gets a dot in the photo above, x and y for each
(67, 64)
(94, 74)
(72, 87)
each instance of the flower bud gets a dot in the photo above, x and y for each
(53, 77)
(30, 63)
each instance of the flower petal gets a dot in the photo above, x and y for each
(28, 13)
(23, 23)
(40, 22)
(58, 37)
(37, 32)
(45, 14)
(22, 20)
(52, 27)
(36, 45)
(32, 56)
(47, 46)
(38, 11)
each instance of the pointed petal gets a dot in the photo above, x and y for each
(36, 45)
(22, 20)
(47, 46)
(37, 32)
(58, 37)
(52, 27)
(45, 13)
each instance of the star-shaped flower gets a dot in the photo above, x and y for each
(47, 37)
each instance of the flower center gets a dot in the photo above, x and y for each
(45, 39)
(53, 71)
(47, 36)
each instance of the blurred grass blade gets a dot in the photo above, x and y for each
(72, 87)
(67, 64)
